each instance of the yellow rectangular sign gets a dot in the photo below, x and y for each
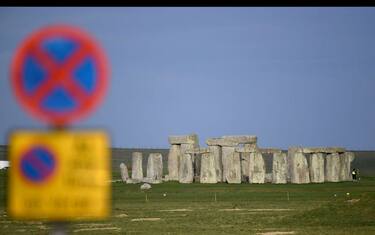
(59, 175)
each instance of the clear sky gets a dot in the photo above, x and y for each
(291, 76)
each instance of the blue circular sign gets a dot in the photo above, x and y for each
(38, 164)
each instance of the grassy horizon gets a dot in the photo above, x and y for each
(173, 208)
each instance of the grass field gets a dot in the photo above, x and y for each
(237, 209)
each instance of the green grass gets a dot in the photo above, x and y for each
(238, 209)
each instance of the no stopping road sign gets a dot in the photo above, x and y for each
(59, 74)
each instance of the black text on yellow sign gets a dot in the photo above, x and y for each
(59, 175)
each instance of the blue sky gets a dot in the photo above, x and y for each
(291, 76)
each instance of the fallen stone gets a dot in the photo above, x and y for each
(316, 165)
(124, 172)
(345, 162)
(257, 169)
(231, 165)
(279, 168)
(145, 186)
(133, 181)
(208, 171)
(332, 169)
(173, 162)
(137, 170)
(151, 181)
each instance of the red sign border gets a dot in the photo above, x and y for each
(74, 33)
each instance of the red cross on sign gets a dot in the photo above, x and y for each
(59, 74)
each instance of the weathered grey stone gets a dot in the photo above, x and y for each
(332, 169)
(221, 142)
(151, 181)
(231, 165)
(186, 172)
(137, 170)
(241, 139)
(124, 172)
(155, 167)
(173, 162)
(268, 178)
(345, 162)
(246, 150)
(197, 166)
(269, 150)
(323, 150)
(316, 166)
(145, 186)
(279, 168)
(245, 163)
(208, 171)
(254, 148)
(215, 150)
(299, 169)
(245, 159)
(257, 168)
(197, 151)
(184, 139)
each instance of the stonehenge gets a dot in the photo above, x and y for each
(124, 172)
(137, 169)
(316, 162)
(184, 161)
(237, 159)
(298, 166)
(155, 168)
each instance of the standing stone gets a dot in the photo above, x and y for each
(215, 150)
(186, 160)
(196, 167)
(155, 167)
(208, 171)
(257, 168)
(231, 165)
(316, 165)
(299, 169)
(245, 163)
(186, 172)
(245, 159)
(332, 169)
(345, 162)
(279, 168)
(124, 172)
(173, 161)
(137, 170)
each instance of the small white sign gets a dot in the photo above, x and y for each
(4, 164)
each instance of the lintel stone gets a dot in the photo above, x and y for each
(323, 150)
(261, 150)
(221, 142)
(183, 139)
(197, 151)
(241, 139)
